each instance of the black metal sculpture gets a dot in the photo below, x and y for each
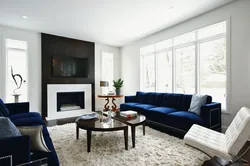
(14, 78)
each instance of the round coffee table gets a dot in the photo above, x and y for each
(96, 125)
(132, 122)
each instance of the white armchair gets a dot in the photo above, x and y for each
(226, 146)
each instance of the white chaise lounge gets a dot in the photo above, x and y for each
(226, 146)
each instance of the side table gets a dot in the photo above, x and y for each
(113, 97)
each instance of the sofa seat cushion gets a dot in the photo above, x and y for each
(184, 120)
(159, 114)
(143, 108)
(29, 121)
(24, 115)
(127, 106)
(162, 110)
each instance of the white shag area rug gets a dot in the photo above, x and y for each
(107, 148)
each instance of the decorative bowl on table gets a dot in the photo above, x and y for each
(90, 116)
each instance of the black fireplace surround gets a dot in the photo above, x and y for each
(56, 46)
(68, 101)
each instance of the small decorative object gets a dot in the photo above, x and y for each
(118, 84)
(19, 85)
(14, 78)
(89, 116)
(104, 85)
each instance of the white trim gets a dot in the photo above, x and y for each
(53, 89)
(228, 67)
(4, 60)
(1, 68)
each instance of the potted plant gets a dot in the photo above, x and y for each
(118, 84)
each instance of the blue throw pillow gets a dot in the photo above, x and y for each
(196, 103)
(8, 129)
(3, 109)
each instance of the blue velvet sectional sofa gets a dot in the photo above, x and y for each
(170, 111)
(19, 147)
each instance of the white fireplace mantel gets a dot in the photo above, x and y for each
(53, 89)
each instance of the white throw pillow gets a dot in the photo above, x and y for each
(196, 103)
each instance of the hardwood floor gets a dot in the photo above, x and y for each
(211, 162)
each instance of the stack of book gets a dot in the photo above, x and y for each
(128, 114)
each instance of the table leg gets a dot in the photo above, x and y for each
(89, 133)
(133, 135)
(77, 132)
(143, 126)
(114, 106)
(106, 106)
(126, 138)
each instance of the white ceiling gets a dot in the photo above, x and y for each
(112, 22)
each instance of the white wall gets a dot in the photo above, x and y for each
(238, 12)
(99, 48)
(34, 63)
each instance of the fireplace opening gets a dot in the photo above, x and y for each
(68, 101)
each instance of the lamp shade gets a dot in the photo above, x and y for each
(104, 83)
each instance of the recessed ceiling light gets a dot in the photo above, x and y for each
(25, 17)
(171, 7)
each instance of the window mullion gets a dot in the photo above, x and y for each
(156, 71)
(173, 70)
(197, 65)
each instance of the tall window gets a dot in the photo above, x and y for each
(16, 58)
(107, 73)
(194, 62)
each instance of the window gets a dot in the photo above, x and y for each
(149, 73)
(213, 69)
(195, 62)
(16, 57)
(185, 70)
(107, 69)
(164, 71)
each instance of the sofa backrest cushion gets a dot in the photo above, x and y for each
(142, 97)
(172, 100)
(238, 133)
(3, 109)
(186, 101)
(8, 129)
(155, 98)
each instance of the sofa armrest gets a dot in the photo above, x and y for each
(18, 147)
(130, 99)
(17, 108)
(211, 114)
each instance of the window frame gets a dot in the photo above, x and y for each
(196, 43)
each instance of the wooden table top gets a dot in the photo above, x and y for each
(110, 96)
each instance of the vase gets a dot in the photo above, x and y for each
(118, 91)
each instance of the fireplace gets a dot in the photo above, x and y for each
(68, 101)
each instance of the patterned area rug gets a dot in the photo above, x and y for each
(107, 148)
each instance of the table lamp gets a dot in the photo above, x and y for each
(104, 85)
